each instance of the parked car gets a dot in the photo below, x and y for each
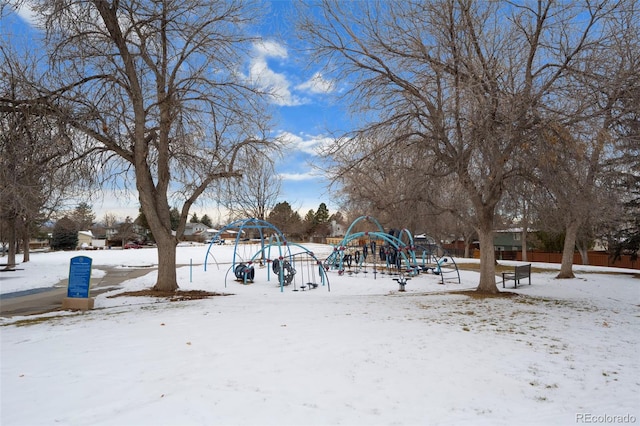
(132, 246)
(217, 241)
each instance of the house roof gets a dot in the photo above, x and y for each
(195, 225)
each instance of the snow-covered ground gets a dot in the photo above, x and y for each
(562, 352)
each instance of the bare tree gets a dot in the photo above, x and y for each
(385, 181)
(127, 232)
(256, 192)
(518, 207)
(463, 82)
(155, 89)
(34, 154)
(109, 220)
(577, 152)
(569, 175)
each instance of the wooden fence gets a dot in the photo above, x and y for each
(596, 258)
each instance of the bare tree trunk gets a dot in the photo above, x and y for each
(11, 238)
(487, 262)
(155, 208)
(166, 243)
(487, 254)
(583, 249)
(25, 240)
(566, 269)
(167, 278)
(584, 255)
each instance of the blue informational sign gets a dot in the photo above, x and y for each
(79, 277)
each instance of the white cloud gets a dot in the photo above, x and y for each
(274, 83)
(317, 84)
(27, 14)
(269, 48)
(298, 177)
(309, 144)
(266, 79)
(278, 84)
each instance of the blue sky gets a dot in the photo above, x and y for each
(305, 114)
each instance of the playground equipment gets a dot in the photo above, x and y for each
(269, 246)
(436, 260)
(402, 281)
(299, 267)
(394, 253)
(391, 252)
(244, 272)
(284, 269)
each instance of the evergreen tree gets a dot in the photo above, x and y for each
(206, 220)
(322, 227)
(285, 219)
(310, 217)
(549, 241)
(309, 223)
(141, 221)
(174, 218)
(83, 216)
(194, 218)
(322, 214)
(627, 237)
(65, 235)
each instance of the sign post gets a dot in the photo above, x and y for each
(79, 283)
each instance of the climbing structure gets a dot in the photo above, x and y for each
(394, 252)
(258, 242)
(388, 252)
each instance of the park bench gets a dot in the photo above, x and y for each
(520, 272)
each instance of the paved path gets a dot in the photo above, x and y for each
(47, 300)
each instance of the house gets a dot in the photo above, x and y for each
(337, 229)
(508, 239)
(84, 239)
(201, 232)
(40, 241)
(209, 234)
(195, 229)
(108, 233)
